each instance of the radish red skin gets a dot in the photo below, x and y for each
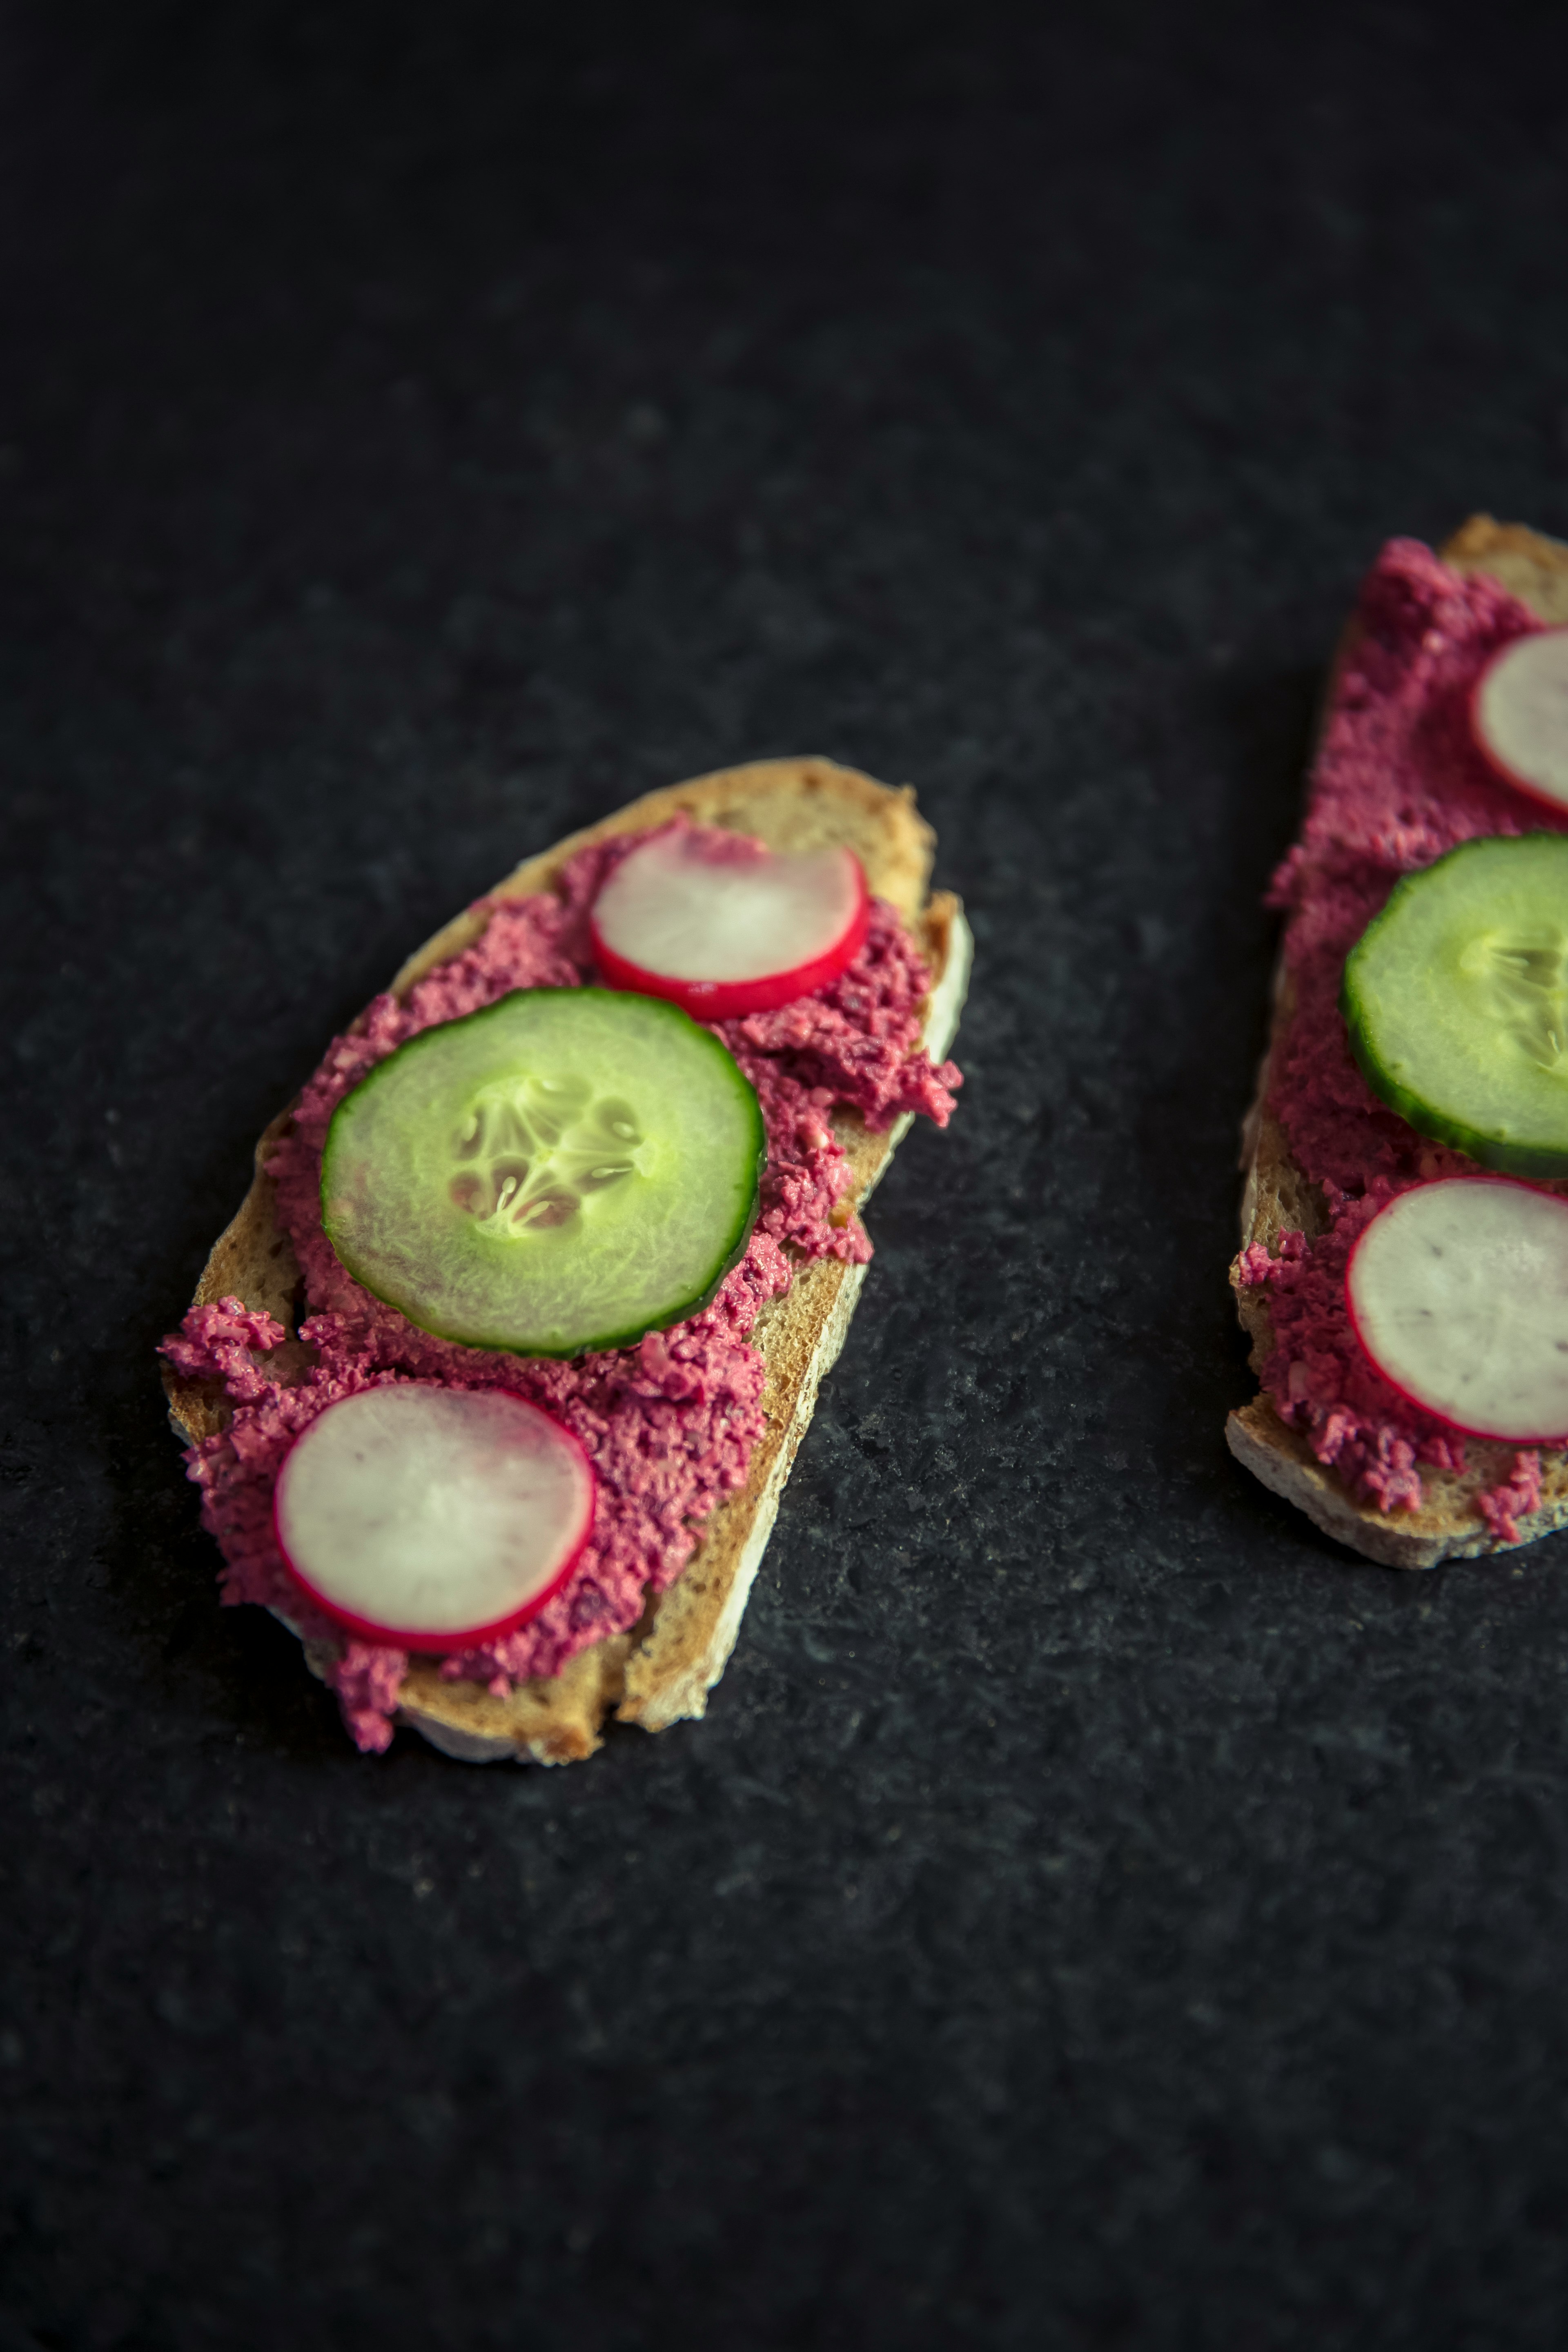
(1500, 767)
(1462, 1429)
(728, 999)
(448, 1644)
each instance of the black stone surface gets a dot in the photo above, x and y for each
(1096, 1911)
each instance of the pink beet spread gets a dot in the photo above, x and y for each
(1398, 781)
(669, 1423)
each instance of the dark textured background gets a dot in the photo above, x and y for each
(1095, 1912)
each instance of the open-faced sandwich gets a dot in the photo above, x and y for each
(1404, 1269)
(492, 1385)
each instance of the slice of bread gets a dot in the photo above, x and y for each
(1277, 1197)
(662, 1670)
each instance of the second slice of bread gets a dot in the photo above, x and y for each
(661, 1670)
(1277, 1198)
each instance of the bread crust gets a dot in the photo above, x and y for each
(660, 1671)
(1277, 1197)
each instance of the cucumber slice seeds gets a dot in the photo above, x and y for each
(1455, 998)
(565, 1170)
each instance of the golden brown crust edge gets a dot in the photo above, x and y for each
(1276, 1196)
(659, 1672)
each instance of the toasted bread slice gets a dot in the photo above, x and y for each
(662, 1670)
(1277, 1197)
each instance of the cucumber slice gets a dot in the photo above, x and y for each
(1455, 998)
(565, 1170)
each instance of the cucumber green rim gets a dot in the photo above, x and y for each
(1539, 1160)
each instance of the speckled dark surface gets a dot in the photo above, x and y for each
(1095, 1912)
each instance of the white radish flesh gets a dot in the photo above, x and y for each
(431, 1517)
(714, 922)
(1518, 714)
(1458, 1292)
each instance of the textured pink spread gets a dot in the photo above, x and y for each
(1398, 781)
(669, 1423)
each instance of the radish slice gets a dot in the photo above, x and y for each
(1458, 1292)
(432, 1518)
(1518, 714)
(718, 925)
